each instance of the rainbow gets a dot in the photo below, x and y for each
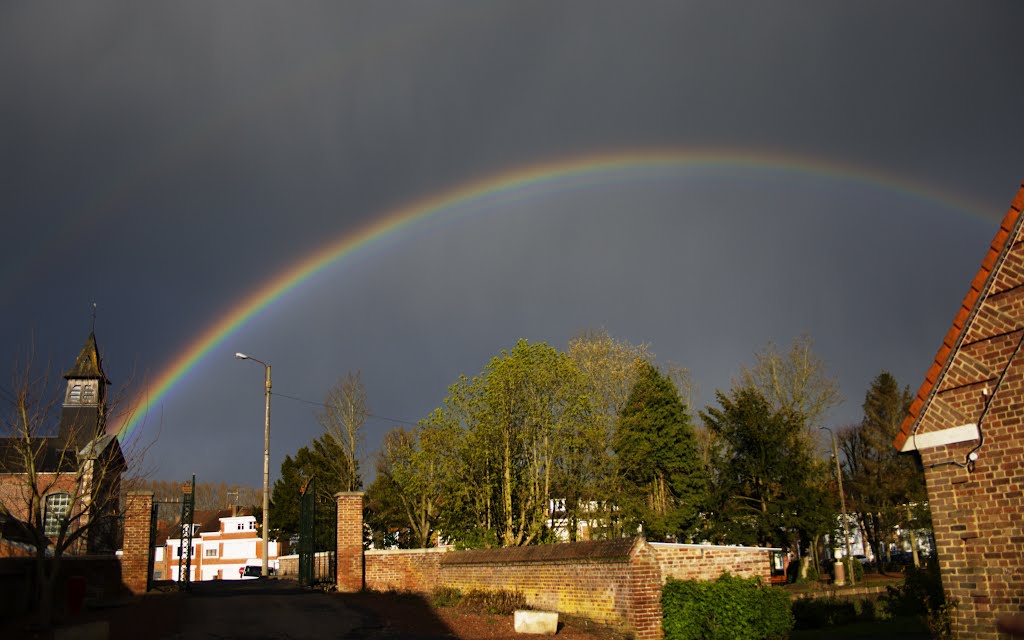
(534, 178)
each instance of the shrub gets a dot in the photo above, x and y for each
(921, 594)
(815, 613)
(725, 609)
(445, 597)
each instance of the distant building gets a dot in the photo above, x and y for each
(76, 473)
(223, 544)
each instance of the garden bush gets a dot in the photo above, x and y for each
(729, 608)
(921, 594)
(816, 613)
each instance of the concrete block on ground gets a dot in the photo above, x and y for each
(540, 622)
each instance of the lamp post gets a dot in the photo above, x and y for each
(266, 463)
(842, 503)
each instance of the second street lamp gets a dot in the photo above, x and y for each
(842, 504)
(266, 464)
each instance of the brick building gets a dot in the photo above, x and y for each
(966, 424)
(74, 479)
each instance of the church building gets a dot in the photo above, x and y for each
(62, 489)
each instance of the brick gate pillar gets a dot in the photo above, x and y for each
(138, 518)
(350, 541)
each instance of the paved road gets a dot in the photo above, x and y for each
(266, 609)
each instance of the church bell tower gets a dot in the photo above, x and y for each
(84, 413)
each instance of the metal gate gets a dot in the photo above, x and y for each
(188, 504)
(318, 537)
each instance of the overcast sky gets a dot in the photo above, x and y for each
(166, 160)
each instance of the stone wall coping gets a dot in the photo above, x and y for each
(598, 550)
(711, 546)
(397, 552)
(347, 494)
(140, 492)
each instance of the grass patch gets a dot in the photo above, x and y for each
(904, 627)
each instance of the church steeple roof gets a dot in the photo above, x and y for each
(88, 364)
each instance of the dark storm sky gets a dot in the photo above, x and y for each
(165, 161)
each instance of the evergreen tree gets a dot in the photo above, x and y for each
(662, 485)
(765, 486)
(885, 488)
(321, 461)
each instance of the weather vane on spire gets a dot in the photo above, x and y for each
(93, 330)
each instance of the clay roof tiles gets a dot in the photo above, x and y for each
(1001, 243)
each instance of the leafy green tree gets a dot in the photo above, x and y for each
(662, 485)
(884, 488)
(530, 398)
(587, 478)
(766, 490)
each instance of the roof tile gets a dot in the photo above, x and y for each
(967, 309)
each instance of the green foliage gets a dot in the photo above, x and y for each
(321, 460)
(766, 485)
(815, 613)
(662, 484)
(728, 608)
(881, 484)
(853, 568)
(921, 594)
(531, 440)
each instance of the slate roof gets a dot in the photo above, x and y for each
(991, 310)
(88, 364)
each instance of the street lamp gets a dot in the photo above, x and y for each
(266, 463)
(842, 503)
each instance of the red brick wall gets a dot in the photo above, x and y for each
(417, 570)
(596, 589)
(135, 561)
(979, 534)
(350, 541)
(616, 582)
(705, 562)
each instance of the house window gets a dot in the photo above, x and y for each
(57, 507)
(252, 525)
(241, 526)
(210, 552)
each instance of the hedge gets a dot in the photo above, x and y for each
(728, 608)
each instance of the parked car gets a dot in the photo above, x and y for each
(902, 557)
(256, 571)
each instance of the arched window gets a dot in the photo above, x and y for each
(88, 393)
(75, 394)
(57, 507)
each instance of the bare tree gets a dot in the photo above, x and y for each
(61, 474)
(345, 412)
(795, 382)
